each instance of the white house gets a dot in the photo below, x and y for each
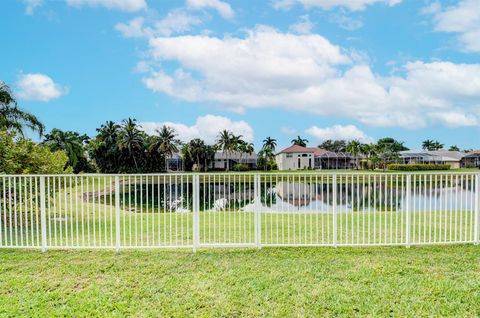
(298, 158)
(295, 158)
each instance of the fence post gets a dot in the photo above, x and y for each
(477, 209)
(43, 214)
(196, 211)
(334, 209)
(257, 216)
(117, 213)
(407, 208)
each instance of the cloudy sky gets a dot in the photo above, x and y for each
(322, 69)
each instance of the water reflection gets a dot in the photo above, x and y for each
(305, 197)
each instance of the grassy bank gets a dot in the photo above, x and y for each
(395, 281)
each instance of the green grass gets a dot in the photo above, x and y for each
(271, 282)
(98, 228)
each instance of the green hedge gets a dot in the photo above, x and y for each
(241, 167)
(417, 167)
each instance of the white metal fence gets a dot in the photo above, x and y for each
(238, 209)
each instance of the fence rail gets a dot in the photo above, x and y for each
(238, 209)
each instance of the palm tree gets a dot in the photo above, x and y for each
(437, 145)
(354, 147)
(368, 150)
(109, 132)
(196, 149)
(70, 142)
(246, 148)
(225, 143)
(14, 118)
(427, 144)
(431, 145)
(454, 148)
(299, 141)
(166, 142)
(131, 138)
(269, 144)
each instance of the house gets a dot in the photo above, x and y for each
(299, 158)
(471, 160)
(295, 158)
(451, 158)
(222, 160)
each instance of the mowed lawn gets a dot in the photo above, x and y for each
(281, 282)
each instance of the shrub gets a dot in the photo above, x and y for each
(272, 165)
(417, 167)
(241, 167)
(22, 156)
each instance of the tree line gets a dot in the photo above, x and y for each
(125, 148)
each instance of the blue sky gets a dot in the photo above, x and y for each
(352, 69)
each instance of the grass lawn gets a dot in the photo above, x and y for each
(388, 281)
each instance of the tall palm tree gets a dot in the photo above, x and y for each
(299, 141)
(225, 143)
(13, 117)
(246, 148)
(437, 145)
(166, 142)
(131, 138)
(368, 150)
(109, 132)
(431, 145)
(354, 148)
(269, 144)
(427, 144)
(196, 149)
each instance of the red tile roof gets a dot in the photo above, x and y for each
(300, 149)
(296, 149)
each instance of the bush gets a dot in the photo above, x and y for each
(241, 167)
(272, 165)
(417, 167)
(24, 156)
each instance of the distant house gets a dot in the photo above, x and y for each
(451, 158)
(223, 160)
(300, 158)
(471, 160)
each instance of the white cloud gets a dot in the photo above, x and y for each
(353, 5)
(133, 28)
(31, 5)
(455, 119)
(176, 21)
(122, 5)
(338, 132)
(288, 130)
(39, 87)
(307, 73)
(345, 21)
(206, 127)
(462, 19)
(222, 7)
(304, 26)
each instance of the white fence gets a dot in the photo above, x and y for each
(238, 209)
